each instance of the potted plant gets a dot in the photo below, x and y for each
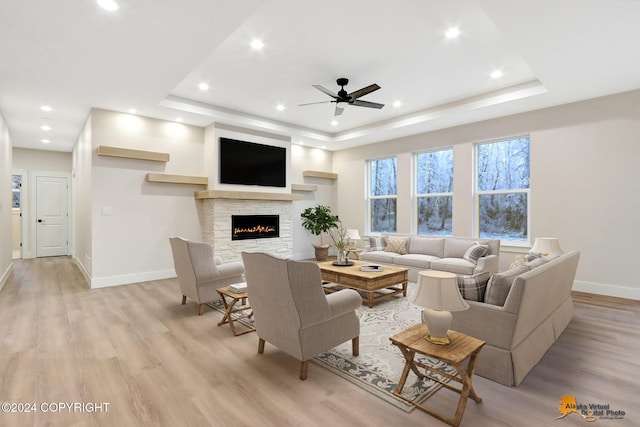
(319, 220)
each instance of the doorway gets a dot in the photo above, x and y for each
(51, 216)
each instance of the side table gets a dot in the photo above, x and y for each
(229, 309)
(354, 251)
(412, 342)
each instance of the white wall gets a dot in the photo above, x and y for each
(585, 182)
(81, 201)
(5, 202)
(132, 243)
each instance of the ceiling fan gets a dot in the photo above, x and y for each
(342, 98)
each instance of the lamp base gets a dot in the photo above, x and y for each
(438, 322)
(438, 340)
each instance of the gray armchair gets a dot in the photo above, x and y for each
(200, 273)
(292, 312)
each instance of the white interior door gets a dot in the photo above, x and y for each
(51, 216)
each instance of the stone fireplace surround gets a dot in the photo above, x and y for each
(215, 221)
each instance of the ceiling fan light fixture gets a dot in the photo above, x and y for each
(397, 104)
(334, 123)
(280, 107)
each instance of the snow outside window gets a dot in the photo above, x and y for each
(502, 196)
(434, 192)
(383, 191)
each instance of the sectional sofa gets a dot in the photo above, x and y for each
(525, 310)
(454, 254)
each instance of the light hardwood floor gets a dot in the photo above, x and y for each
(157, 363)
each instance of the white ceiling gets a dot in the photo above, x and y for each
(152, 54)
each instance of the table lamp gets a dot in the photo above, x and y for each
(352, 234)
(546, 246)
(438, 293)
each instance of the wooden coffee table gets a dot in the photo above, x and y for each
(378, 285)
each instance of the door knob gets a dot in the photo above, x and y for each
(40, 220)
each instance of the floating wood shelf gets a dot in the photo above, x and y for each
(177, 179)
(303, 187)
(318, 174)
(245, 195)
(126, 153)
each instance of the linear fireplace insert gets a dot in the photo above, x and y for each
(254, 226)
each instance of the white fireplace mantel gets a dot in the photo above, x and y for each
(246, 195)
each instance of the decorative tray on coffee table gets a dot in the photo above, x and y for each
(342, 264)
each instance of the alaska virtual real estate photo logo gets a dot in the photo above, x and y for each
(589, 411)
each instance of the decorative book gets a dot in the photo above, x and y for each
(371, 268)
(238, 287)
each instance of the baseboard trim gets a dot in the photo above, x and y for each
(609, 290)
(126, 279)
(5, 275)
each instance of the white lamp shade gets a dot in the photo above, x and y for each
(352, 233)
(438, 290)
(546, 246)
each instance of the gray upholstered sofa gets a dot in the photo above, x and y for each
(436, 253)
(526, 309)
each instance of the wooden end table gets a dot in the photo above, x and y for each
(229, 309)
(412, 342)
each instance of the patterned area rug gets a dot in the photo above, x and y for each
(378, 367)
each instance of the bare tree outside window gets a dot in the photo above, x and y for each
(383, 191)
(503, 189)
(434, 192)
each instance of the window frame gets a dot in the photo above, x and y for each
(370, 197)
(417, 196)
(478, 193)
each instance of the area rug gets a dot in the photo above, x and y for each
(378, 367)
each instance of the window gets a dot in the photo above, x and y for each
(16, 186)
(434, 192)
(383, 191)
(503, 189)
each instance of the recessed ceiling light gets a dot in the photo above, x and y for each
(45, 127)
(452, 33)
(496, 74)
(203, 86)
(334, 122)
(45, 108)
(132, 111)
(179, 119)
(257, 44)
(324, 147)
(397, 104)
(109, 5)
(45, 141)
(280, 107)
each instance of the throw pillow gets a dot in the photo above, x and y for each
(376, 244)
(398, 246)
(474, 252)
(536, 263)
(500, 285)
(473, 288)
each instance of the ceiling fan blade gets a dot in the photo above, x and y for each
(367, 104)
(312, 103)
(327, 91)
(365, 90)
(339, 110)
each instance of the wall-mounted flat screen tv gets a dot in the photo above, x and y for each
(249, 163)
